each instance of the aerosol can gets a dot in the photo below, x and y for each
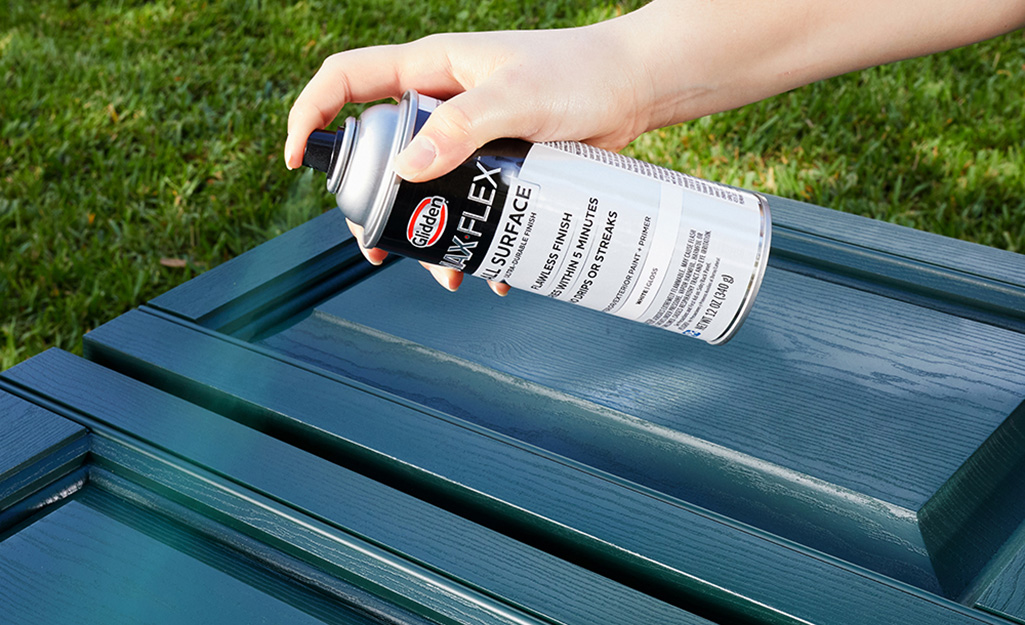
(562, 219)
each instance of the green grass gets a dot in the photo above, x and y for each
(133, 133)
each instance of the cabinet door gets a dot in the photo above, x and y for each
(77, 545)
(84, 540)
(150, 509)
(855, 454)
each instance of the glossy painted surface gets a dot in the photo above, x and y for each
(81, 565)
(1003, 593)
(658, 545)
(837, 418)
(36, 447)
(321, 513)
(319, 439)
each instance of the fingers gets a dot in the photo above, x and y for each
(448, 278)
(451, 279)
(374, 255)
(461, 125)
(500, 288)
(339, 81)
(485, 103)
(365, 75)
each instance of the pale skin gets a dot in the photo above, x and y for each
(605, 84)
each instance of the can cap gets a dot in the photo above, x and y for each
(320, 150)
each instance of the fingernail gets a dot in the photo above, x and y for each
(448, 281)
(288, 159)
(366, 255)
(417, 156)
(444, 278)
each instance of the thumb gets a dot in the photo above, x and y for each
(456, 129)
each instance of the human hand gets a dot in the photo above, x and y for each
(503, 84)
(605, 84)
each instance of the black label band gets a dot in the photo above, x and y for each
(450, 221)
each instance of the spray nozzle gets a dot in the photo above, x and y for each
(320, 150)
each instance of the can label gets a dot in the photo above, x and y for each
(427, 223)
(590, 227)
(453, 221)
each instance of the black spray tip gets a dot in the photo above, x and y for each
(320, 150)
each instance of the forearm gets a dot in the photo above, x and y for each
(668, 62)
(704, 56)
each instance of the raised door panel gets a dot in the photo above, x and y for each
(259, 513)
(644, 540)
(96, 559)
(80, 544)
(870, 409)
(872, 429)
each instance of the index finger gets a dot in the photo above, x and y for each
(365, 75)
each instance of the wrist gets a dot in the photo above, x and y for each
(699, 57)
(704, 56)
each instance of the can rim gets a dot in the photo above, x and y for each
(341, 161)
(381, 210)
(761, 261)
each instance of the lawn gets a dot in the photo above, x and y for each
(140, 141)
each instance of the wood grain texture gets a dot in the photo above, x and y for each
(904, 263)
(317, 510)
(80, 566)
(28, 432)
(914, 245)
(659, 545)
(905, 279)
(333, 553)
(279, 279)
(37, 447)
(956, 277)
(1003, 593)
(833, 418)
(257, 563)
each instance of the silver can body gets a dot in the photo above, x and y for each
(564, 220)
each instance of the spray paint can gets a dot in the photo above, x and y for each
(562, 219)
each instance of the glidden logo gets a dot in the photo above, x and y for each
(427, 222)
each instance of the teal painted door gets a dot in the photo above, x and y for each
(317, 439)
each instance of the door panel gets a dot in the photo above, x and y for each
(852, 423)
(659, 545)
(297, 423)
(97, 559)
(309, 518)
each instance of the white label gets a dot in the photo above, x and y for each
(623, 236)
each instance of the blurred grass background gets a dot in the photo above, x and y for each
(140, 141)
